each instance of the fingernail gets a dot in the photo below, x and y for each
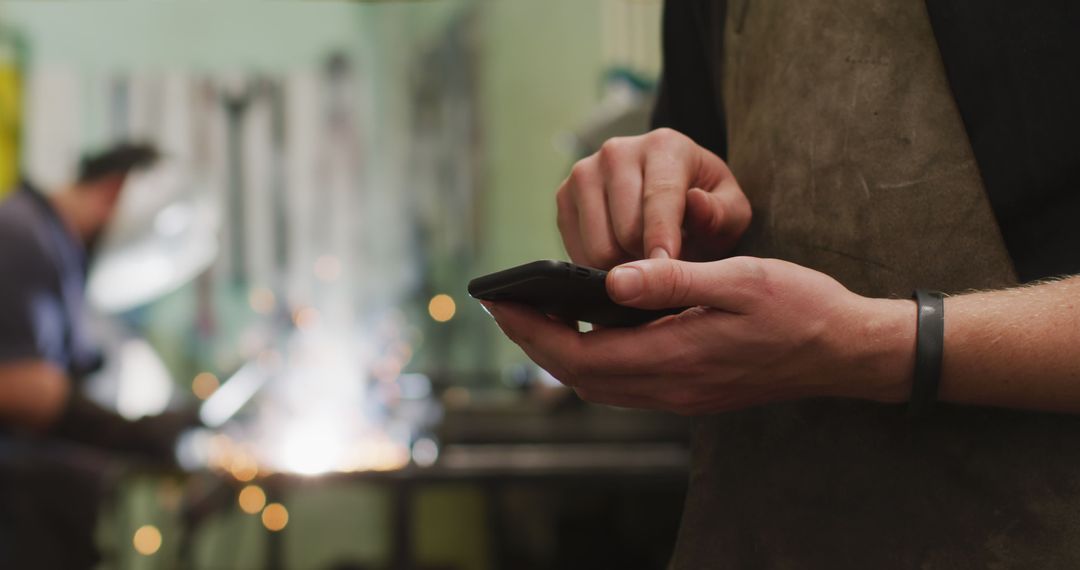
(659, 253)
(627, 283)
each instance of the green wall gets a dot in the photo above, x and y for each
(542, 76)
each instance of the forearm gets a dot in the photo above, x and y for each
(1014, 348)
(38, 396)
(33, 394)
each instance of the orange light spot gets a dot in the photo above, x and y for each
(252, 499)
(147, 540)
(442, 308)
(262, 300)
(243, 467)
(275, 517)
(204, 385)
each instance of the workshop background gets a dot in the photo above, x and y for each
(334, 174)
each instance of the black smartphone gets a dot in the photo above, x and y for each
(562, 289)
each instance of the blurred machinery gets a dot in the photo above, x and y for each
(164, 236)
(317, 362)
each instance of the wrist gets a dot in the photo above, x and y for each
(881, 350)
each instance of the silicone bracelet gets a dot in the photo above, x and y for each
(929, 346)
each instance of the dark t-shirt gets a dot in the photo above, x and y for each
(1013, 68)
(42, 282)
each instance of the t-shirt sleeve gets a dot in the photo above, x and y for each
(31, 312)
(688, 101)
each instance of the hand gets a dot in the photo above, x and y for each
(151, 438)
(761, 330)
(637, 196)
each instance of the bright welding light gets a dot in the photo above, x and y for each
(311, 450)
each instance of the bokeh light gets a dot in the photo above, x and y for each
(328, 268)
(275, 517)
(425, 452)
(147, 540)
(204, 385)
(457, 397)
(306, 318)
(252, 499)
(442, 307)
(243, 467)
(262, 300)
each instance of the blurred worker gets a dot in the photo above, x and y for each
(49, 490)
(881, 146)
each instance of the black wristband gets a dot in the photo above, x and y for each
(929, 346)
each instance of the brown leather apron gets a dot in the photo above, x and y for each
(845, 136)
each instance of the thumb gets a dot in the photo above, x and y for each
(704, 213)
(732, 284)
(721, 211)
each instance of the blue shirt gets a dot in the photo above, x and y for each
(42, 286)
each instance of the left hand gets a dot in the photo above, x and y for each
(761, 330)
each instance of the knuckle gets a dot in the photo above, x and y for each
(580, 174)
(603, 253)
(629, 236)
(752, 274)
(562, 195)
(660, 187)
(665, 137)
(680, 282)
(612, 151)
(664, 134)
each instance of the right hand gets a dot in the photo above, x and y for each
(654, 195)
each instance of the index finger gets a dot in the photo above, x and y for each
(663, 205)
(575, 357)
